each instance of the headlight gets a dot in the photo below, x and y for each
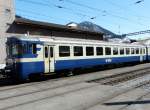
(9, 61)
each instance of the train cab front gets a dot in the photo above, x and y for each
(14, 49)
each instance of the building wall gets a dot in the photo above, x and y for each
(7, 16)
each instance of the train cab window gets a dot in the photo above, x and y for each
(137, 50)
(132, 51)
(16, 49)
(22, 49)
(78, 51)
(121, 51)
(89, 51)
(64, 51)
(115, 51)
(127, 51)
(99, 50)
(108, 51)
(46, 52)
(34, 48)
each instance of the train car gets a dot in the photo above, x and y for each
(30, 56)
(148, 53)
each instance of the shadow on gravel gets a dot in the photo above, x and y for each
(7, 82)
(128, 102)
(10, 82)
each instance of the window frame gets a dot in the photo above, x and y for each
(110, 53)
(128, 50)
(46, 52)
(51, 52)
(122, 49)
(89, 54)
(34, 48)
(81, 54)
(137, 51)
(144, 51)
(117, 51)
(102, 51)
(68, 53)
(132, 50)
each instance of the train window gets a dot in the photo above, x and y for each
(46, 52)
(16, 49)
(144, 51)
(115, 51)
(51, 52)
(64, 51)
(121, 51)
(89, 51)
(137, 50)
(108, 51)
(140, 50)
(78, 51)
(99, 50)
(21, 48)
(132, 50)
(127, 51)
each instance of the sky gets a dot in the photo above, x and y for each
(118, 16)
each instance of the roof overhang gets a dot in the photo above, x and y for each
(52, 26)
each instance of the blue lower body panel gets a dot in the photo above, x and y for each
(85, 63)
(26, 68)
(149, 58)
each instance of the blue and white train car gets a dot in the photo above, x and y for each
(27, 56)
(148, 52)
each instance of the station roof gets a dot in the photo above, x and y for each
(52, 26)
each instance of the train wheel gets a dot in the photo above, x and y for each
(35, 77)
(69, 73)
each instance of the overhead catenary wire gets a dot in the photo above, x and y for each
(61, 7)
(131, 12)
(83, 5)
(71, 11)
(57, 6)
(68, 10)
(35, 15)
(103, 12)
(139, 1)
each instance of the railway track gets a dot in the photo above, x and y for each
(119, 78)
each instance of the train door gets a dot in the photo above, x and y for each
(146, 53)
(49, 58)
(141, 55)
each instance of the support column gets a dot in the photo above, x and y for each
(7, 16)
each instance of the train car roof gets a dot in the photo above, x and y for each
(71, 40)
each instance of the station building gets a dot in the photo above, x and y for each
(12, 25)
